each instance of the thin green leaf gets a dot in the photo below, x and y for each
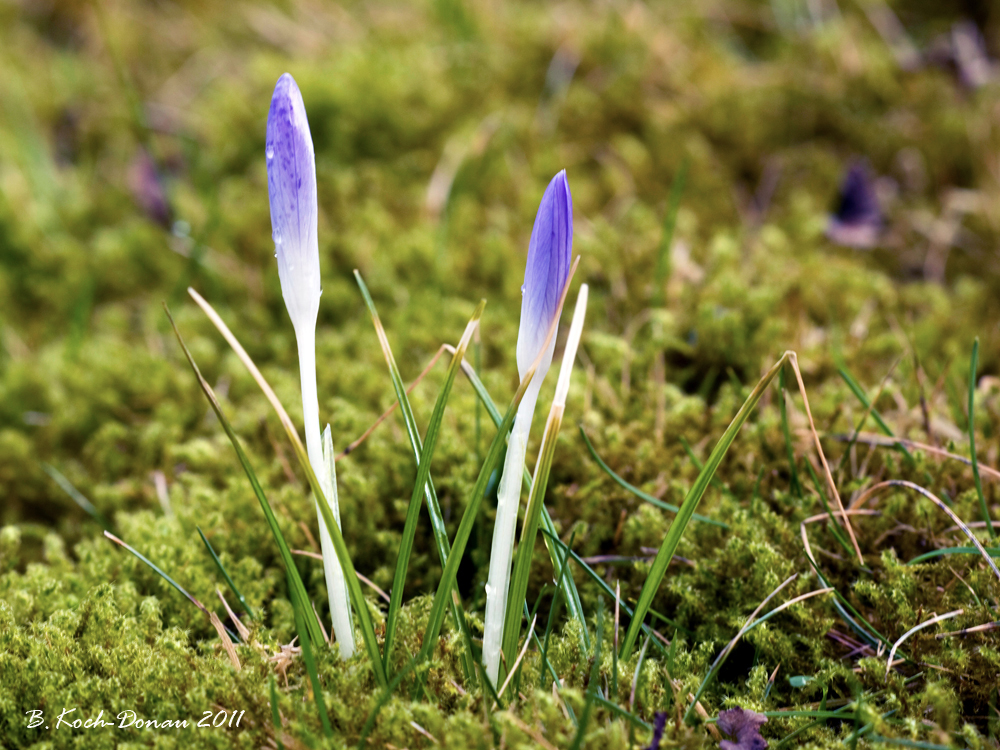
(156, 569)
(595, 576)
(307, 655)
(76, 496)
(625, 714)
(275, 714)
(416, 443)
(833, 525)
(677, 528)
(336, 536)
(992, 551)
(383, 698)
(973, 366)
(296, 586)
(419, 487)
(225, 574)
(669, 224)
(636, 491)
(593, 685)
(860, 394)
(795, 484)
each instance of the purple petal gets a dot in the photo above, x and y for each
(744, 726)
(548, 264)
(291, 188)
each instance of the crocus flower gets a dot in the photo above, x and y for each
(291, 188)
(545, 276)
(858, 220)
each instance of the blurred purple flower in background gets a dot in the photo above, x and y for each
(858, 219)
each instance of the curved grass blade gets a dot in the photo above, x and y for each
(592, 686)
(677, 528)
(296, 587)
(433, 506)
(336, 536)
(307, 656)
(225, 574)
(419, 487)
(275, 714)
(713, 670)
(860, 394)
(666, 239)
(992, 551)
(76, 496)
(156, 569)
(383, 698)
(603, 585)
(636, 491)
(795, 484)
(973, 366)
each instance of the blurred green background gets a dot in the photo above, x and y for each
(132, 166)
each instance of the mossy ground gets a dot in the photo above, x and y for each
(92, 382)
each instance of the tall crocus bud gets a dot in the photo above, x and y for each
(545, 276)
(291, 187)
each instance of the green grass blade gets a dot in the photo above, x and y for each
(225, 574)
(493, 456)
(336, 536)
(677, 528)
(573, 603)
(860, 394)
(593, 685)
(307, 656)
(275, 714)
(419, 487)
(834, 526)
(624, 713)
(795, 484)
(636, 491)
(973, 366)
(76, 496)
(993, 552)
(383, 698)
(603, 585)
(297, 588)
(156, 569)
(669, 225)
(416, 443)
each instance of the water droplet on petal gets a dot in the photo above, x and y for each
(522, 289)
(269, 153)
(278, 239)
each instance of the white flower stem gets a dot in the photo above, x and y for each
(508, 500)
(340, 610)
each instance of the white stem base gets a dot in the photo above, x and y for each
(508, 501)
(336, 586)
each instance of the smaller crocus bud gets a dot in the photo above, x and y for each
(545, 274)
(549, 253)
(291, 187)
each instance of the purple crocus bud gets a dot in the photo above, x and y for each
(291, 187)
(858, 220)
(545, 274)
